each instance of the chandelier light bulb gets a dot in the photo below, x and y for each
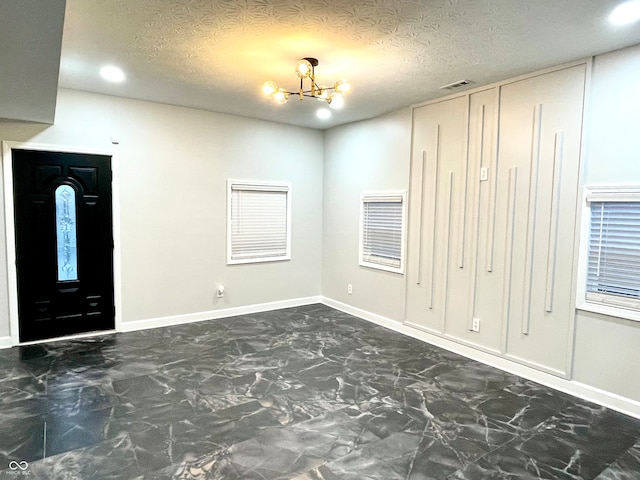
(335, 100)
(269, 88)
(281, 96)
(303, 68)
(342, 86)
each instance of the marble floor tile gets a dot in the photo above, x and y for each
(391, 458)
(306, 393)
(21, 439)
(626, 466)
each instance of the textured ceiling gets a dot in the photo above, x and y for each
(215, 54)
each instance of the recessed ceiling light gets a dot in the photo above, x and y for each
(111, 73)
(323, 113)
(626, 13)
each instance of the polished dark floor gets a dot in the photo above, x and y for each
(302, 393)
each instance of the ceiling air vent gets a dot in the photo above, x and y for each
(458, 84)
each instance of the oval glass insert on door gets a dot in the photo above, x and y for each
(66, 233)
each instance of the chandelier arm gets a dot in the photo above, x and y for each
(305, 92)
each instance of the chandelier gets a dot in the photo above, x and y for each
(305, 69)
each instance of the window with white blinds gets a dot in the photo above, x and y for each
(613, 269)
(382, 231)
(259, 222)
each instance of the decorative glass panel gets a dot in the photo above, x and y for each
(66, 233)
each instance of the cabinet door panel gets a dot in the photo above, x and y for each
(483, 274)
(539, 154)
(437, 180)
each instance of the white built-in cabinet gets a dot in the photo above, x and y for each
(493, 198)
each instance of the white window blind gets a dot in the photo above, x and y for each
(382, 231)
(613, 271)
(259, 222)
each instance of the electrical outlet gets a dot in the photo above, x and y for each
(349, 289)
(475, 326)
(484, 174)
(220, 291)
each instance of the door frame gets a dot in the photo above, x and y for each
(12, 272)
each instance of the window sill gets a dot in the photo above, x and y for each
(244, 261)
(609, 310)
(386, 268)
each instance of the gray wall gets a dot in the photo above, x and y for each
(365, 156)
(174, 164)
(607, 349)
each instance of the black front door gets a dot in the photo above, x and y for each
(64, 243)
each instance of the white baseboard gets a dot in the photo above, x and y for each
(213, 314)
(571, 387)
(6, 342)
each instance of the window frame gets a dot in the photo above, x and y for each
(598, 303)
(370, 196)
(266, 186)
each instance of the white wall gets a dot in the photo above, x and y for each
(174, 163)
(607, 350)
(371, 155)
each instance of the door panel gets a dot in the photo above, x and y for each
(435, 240)
(64, 243)
(539, 153)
